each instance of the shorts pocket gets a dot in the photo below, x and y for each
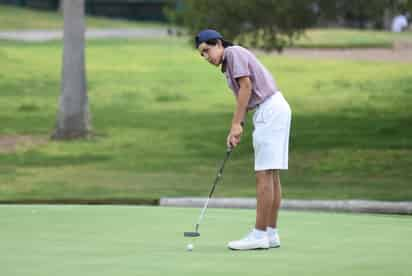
(258, 116)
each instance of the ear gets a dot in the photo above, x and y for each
(200, 45)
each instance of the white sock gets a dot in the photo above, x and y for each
(271, 231)
(259, 234)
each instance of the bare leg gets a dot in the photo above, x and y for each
(277, 197)
(264, 197)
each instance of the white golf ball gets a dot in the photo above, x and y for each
(189, 247)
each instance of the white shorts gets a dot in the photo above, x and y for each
(271, 123)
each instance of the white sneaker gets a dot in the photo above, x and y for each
(250, 242)
(274, 241)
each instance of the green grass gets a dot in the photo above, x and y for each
(14, 18)
(346, 38)
(104, 240)
(350, 38)
(161, 115)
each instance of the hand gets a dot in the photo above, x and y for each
(233, 139)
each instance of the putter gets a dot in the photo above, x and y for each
(202, 213)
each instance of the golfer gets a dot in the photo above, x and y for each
(254, 89)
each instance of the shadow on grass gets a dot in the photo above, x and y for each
(203, 134)
(41, 159)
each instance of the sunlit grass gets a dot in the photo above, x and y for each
(15, 18)
(350, 38)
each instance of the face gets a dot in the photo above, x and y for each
(212, 53)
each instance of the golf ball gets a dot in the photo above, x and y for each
(189, 247)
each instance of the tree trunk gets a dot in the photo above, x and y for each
(387, 19)
(73, 114)
(60, 6)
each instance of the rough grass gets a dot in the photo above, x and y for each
(161, 115)
(350, 38)
(15, 18)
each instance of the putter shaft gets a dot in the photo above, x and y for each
(217, 178)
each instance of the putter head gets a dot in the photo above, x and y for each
(191, 234)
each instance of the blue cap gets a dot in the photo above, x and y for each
(206, 35)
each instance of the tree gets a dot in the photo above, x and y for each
(360, 13)
(274, 24)
(265, 24)
(73, 115)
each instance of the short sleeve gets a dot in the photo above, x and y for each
(238, 63)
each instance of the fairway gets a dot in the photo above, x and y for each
(129, 240)
(351, 135)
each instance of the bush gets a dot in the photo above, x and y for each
(264, 24)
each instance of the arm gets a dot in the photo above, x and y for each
(244, 94)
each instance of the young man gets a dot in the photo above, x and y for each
(254, 89)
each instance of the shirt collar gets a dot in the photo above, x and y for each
(224, 63)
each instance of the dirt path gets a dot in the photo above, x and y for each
(9, 143)
(402, 52)
(47, 35)
(403, 55)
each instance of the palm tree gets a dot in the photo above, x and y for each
(73, 115)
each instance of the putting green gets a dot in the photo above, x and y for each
(129, 240)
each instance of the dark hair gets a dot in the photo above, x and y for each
(225, 43)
